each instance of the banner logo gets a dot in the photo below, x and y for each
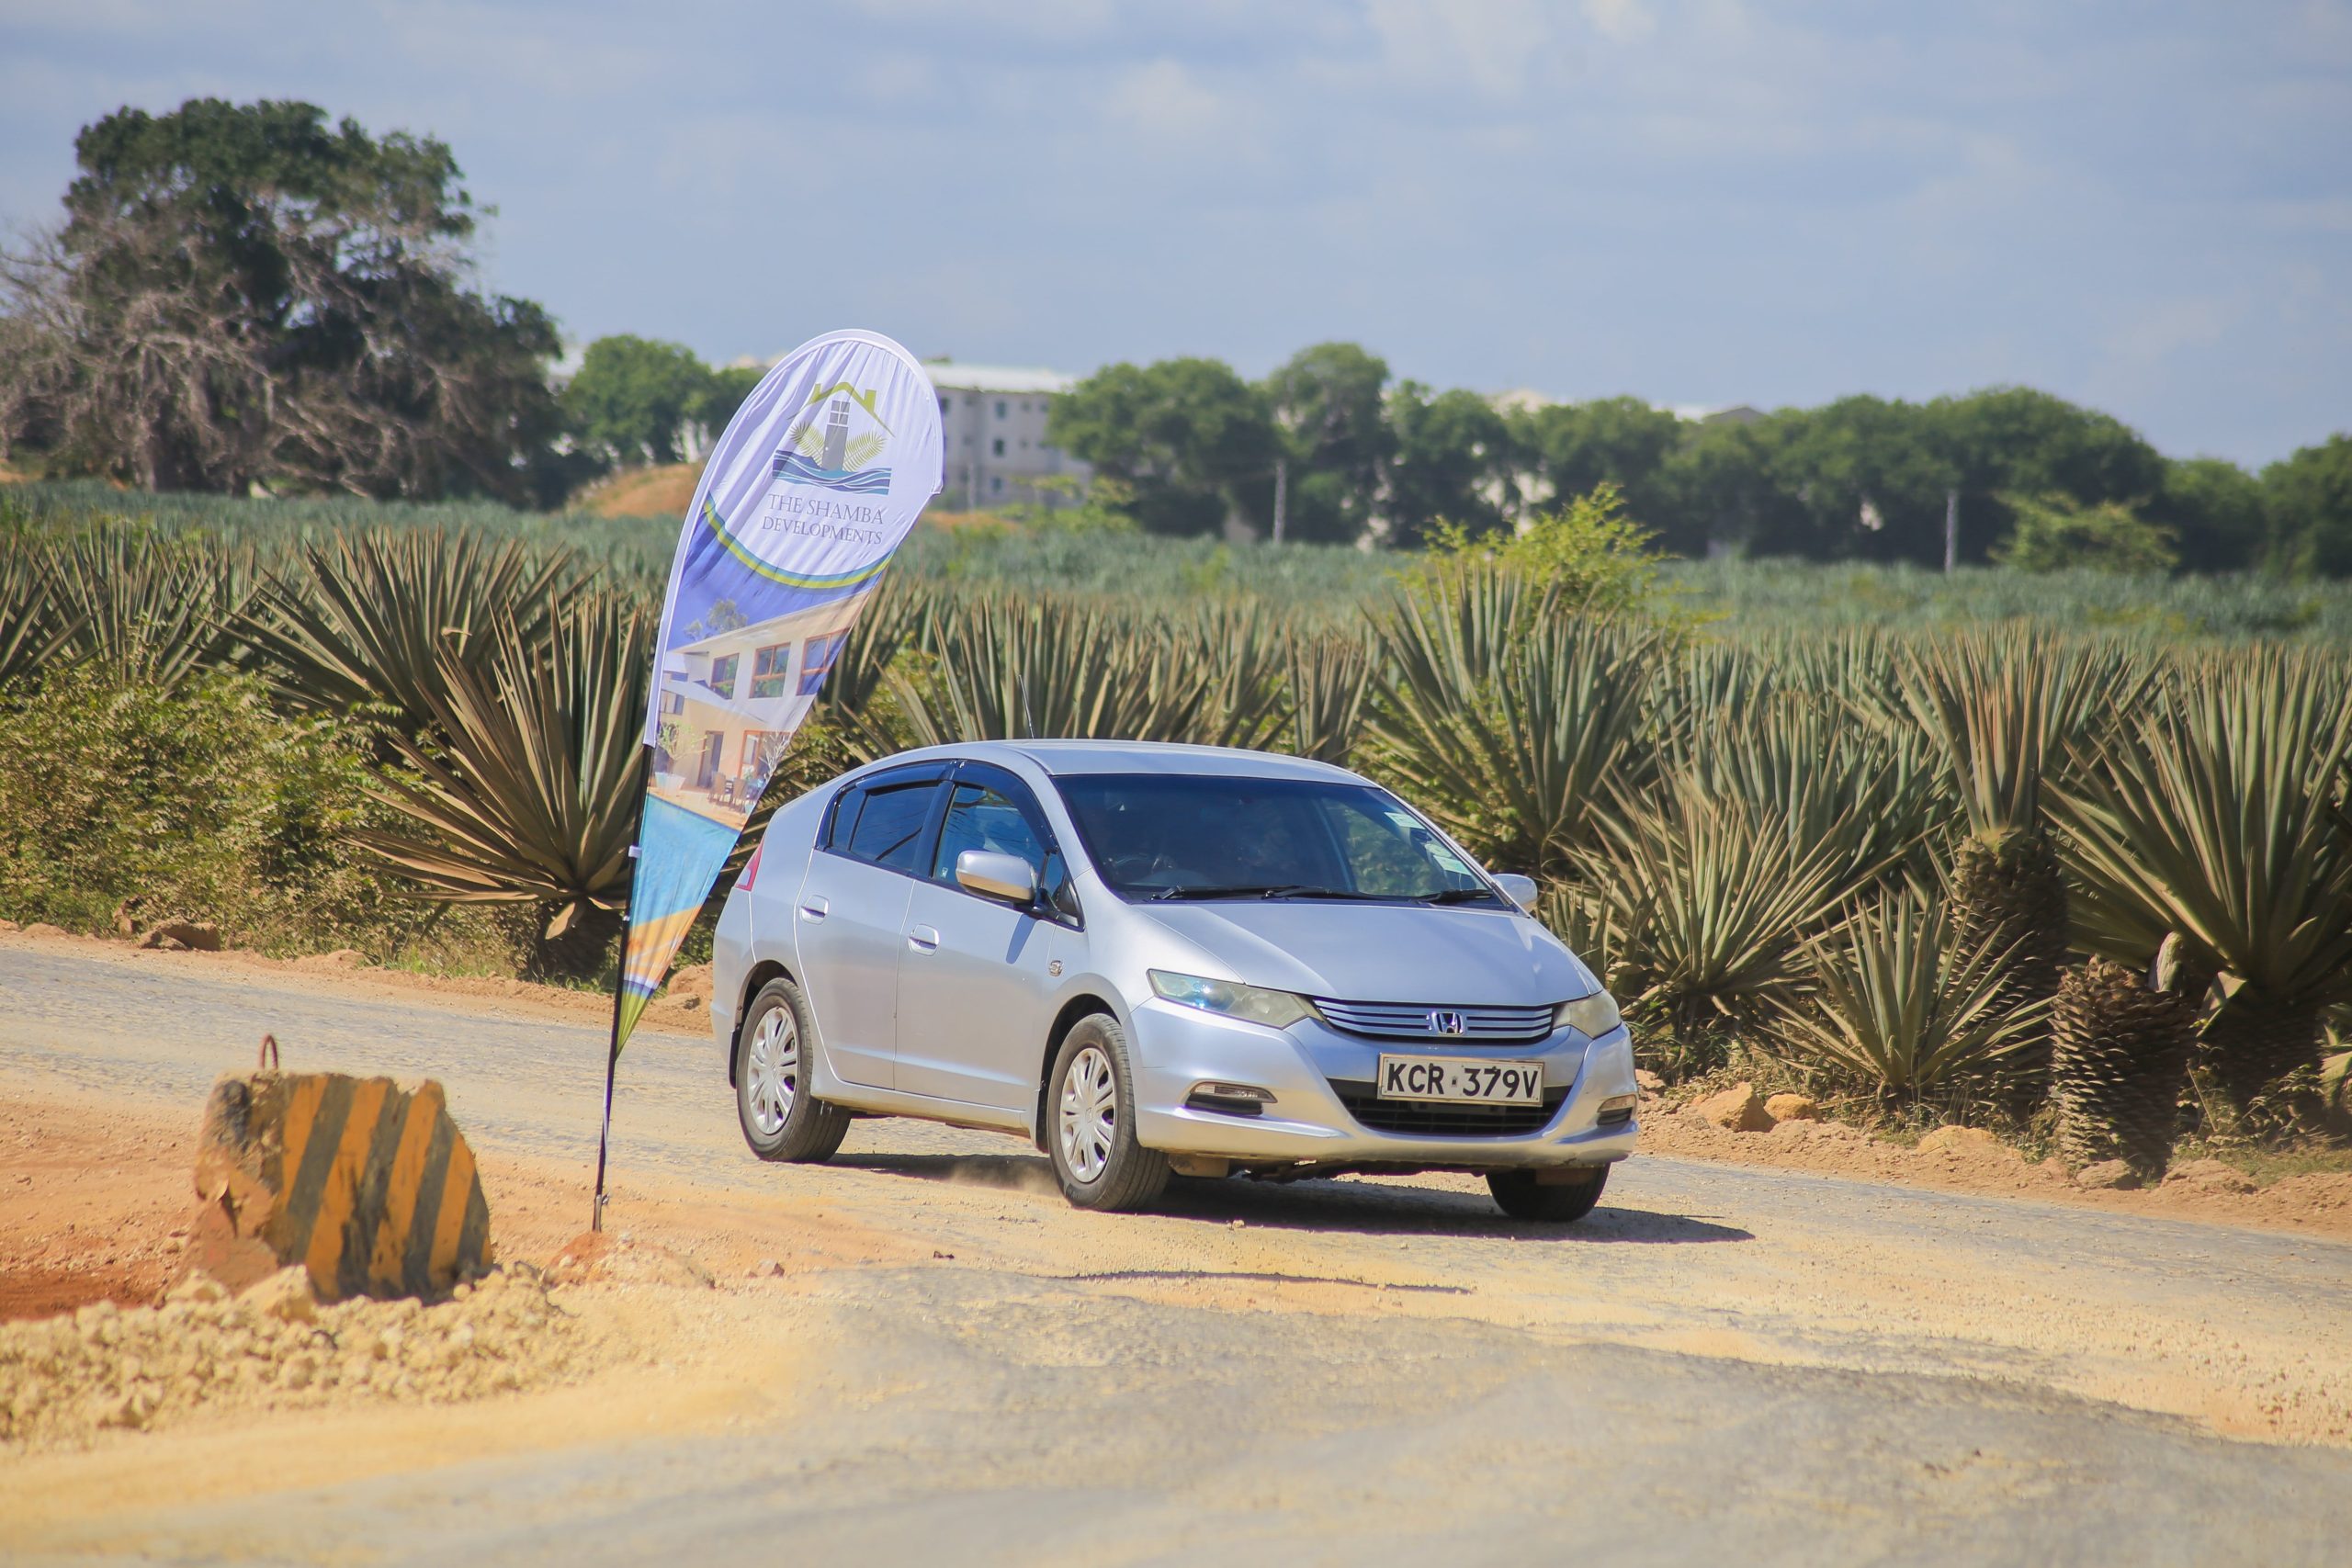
(828, 451)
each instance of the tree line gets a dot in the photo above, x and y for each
(1342, 453)
(244, 297)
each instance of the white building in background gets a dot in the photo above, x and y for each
(994, 417)
(994, 421)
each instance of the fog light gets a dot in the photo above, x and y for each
(1229, 1099)
(1617, 1110)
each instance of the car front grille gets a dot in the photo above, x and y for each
(1432, 1021)
(1440, 1119)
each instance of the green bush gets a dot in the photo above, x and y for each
(2054, 533)
(1590, 550)
(198, 802)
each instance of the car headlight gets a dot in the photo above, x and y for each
(1591, 1015)
(1277, 1009)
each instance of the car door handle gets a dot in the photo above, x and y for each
(814, 909)
(922, 939)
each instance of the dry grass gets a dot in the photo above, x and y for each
(663, 491)
(2266, 1166)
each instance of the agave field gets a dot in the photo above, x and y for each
(1334, 580)
(2087, 876)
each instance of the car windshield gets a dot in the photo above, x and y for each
(1170, 837)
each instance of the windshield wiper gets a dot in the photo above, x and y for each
(1254, 890)
(1456, 896)
(1213, 890)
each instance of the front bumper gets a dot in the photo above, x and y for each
(1176, 1047)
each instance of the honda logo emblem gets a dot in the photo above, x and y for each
(1445, 1022)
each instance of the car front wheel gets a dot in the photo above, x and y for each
(782, 1121)
(1522, 1197)
(1091, 1122)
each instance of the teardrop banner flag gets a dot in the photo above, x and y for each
(818, 479)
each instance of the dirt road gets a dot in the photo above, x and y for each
(950, 1365)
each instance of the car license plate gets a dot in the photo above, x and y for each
(1463, 1079)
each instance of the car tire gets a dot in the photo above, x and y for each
(1091, 1122)
(781, 1120)
(1524, 1197)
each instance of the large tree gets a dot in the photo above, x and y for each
(1325, 401)
(1194, 442)
(2217, 511)
(1723, 494)
(723, 395)
(1870, 476)
(2033, 443)
(2015, 441)
(631, 399)
(243, 294)
(2310, 499)
(1455, 462)
(1575, 448)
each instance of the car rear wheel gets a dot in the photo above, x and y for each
(1091, 1122)
(1522, 1197)
(782, 1121)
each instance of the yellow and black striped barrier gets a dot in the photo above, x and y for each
(372, 1188)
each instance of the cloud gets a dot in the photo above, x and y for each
(1035, 19)
(1490, 49)
(1620, 21)
(2157, 333)
(1168, 103)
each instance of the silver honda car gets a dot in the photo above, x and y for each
(1155, 960)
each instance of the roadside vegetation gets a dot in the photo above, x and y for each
(2087, 883)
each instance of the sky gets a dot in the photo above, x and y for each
(2143, 206)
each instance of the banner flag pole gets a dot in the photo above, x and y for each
(804, 499)
(613, 1046)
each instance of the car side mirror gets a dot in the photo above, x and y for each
(1520, 890)
(994, 875)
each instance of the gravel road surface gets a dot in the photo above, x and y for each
(1753, 1365)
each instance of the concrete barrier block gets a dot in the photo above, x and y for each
(370, 1188)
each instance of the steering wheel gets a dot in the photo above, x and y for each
(1135, 865)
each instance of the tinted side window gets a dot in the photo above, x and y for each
(994, 811)
(979, 818)
(890, 823)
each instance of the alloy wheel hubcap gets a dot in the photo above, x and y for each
(1090, 1113)
(774, 1067)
